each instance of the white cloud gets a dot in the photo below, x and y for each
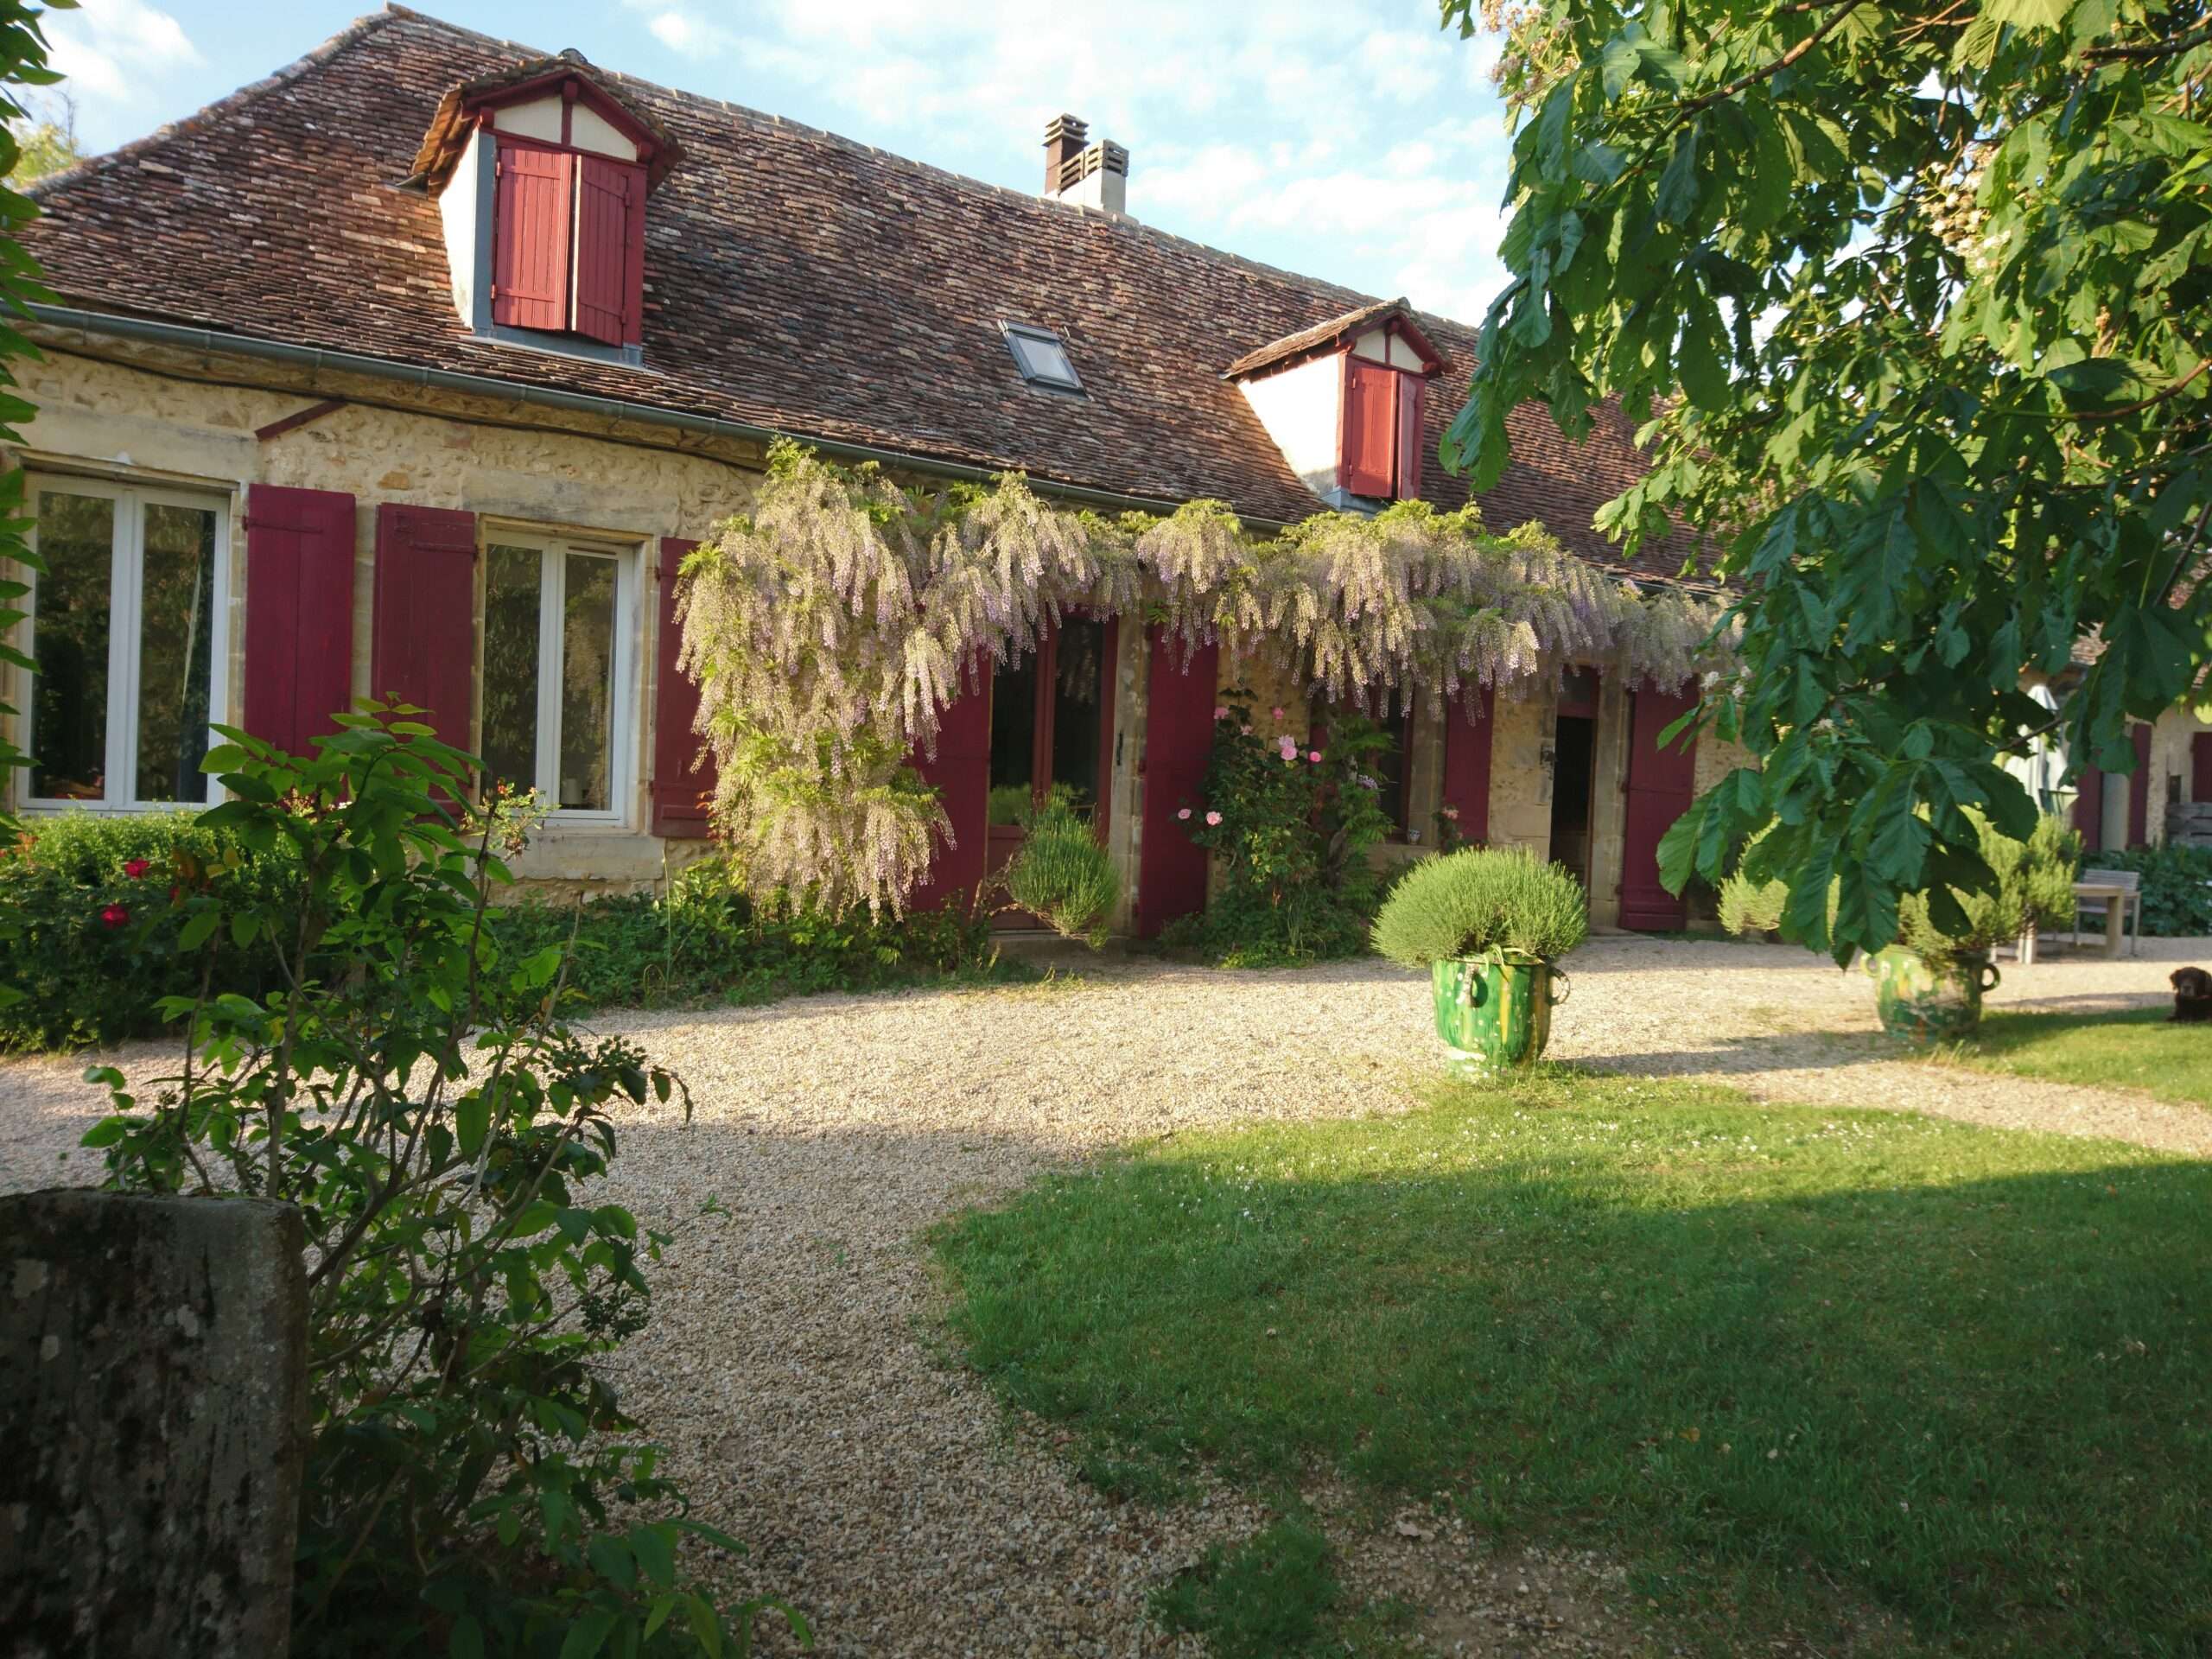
(107, 47)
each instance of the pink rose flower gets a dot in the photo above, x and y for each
(1184, 813)
(115, 916)
(1221, 713)
(1289, 745)
(1278, 712)
(1212, 818)
(1314, 755)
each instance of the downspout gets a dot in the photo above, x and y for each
(212, 342)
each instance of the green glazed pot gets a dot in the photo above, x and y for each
(1495, 1010)
(1925, 1006)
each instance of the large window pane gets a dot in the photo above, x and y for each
(513, 579)
(175, 655)
(587, 684)
(69, 735)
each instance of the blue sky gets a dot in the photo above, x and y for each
(1348, 139)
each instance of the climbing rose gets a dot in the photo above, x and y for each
(1450, 812)
(1278, 712)
(136, 867)
(1184, 813)
(1221, 713)
(1314, 755)
(115, 916)
(1212, 818)
(1288, 745)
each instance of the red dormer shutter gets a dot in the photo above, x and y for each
(536, 194)
(1370, 427)
(610, 248)
(1412, 445)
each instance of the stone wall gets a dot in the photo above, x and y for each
(148, 419)
(153, 1377)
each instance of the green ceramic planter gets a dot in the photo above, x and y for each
(1495, 1010)
(1925, 1006)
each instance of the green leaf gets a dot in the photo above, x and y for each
(1677, 195)
(706, 1624)
(471, 1116)
(588, 1634)
(199, 928)
(2029, 14)
(466, 1639)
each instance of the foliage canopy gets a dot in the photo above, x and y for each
(1916, 302)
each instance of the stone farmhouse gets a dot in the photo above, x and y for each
(415, 369)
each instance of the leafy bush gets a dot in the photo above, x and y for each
(91, 906)
(2176, 887)
(2035, 884)
(1478, 900)
(1290, 828)
(1016, 804)
(464, 1460)
(1064, 877)
(705, 941)
(1749, 906)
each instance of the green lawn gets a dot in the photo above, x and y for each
(2139, 1048)
(1793, 1368)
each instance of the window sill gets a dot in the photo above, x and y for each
(576, 348)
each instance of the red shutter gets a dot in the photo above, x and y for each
(1178, 740)
(1412, 446)
(2200, 767)
(535, 195)
(610, 248)
(299, 613)
(1660, 784)
(2138, 790)
(1466, 764)
(2089, 809)
(423, 637)
(683, 779)
(1370, 427)
(960, 773)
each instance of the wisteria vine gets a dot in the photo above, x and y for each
(828, 628)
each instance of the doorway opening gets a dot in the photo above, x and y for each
(1051, 735)
(1574, 756)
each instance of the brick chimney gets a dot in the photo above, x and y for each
(1096, 175)
(1064, 141)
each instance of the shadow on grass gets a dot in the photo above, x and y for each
(1773, 1357)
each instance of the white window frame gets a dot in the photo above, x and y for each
(552, 589)
(126, 600)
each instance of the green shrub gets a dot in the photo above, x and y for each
(1290, 835)
(1478, 900)
(91, 907)
(1749, 906)
(1064, 877)
(2176, 887)
(706, 941)
(1016, 804)
(471, 1484)
(2035, 884)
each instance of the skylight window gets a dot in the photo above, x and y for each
(1041, 358)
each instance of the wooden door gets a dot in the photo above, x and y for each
(1178, 739)
(1660, 783)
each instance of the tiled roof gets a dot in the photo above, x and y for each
(793, 280)
(1333, 332)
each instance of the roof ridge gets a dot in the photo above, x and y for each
(314, 57)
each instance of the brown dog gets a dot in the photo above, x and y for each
(2192, 995)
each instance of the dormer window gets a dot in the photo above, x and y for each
(1347, 402)
(542, 176)
(1041, 357)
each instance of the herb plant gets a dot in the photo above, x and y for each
(1478, 901)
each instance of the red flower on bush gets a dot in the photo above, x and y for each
(136, 867)
(115, 916)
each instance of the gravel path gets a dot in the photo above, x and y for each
(792, 1363)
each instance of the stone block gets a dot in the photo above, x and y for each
(153, 1376)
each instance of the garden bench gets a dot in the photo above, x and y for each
(2110, 895)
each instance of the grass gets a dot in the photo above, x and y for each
(1800, 1371)
(2137, 1048)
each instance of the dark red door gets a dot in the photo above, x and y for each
(2138, 790)
(1660, 783)
(1179, 738)
(961, 770)
(2089, 808)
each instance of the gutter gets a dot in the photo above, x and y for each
(212, 342)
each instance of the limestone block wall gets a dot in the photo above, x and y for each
(146, 419)
(1520, 778)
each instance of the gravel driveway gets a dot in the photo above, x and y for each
(792, 1364)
